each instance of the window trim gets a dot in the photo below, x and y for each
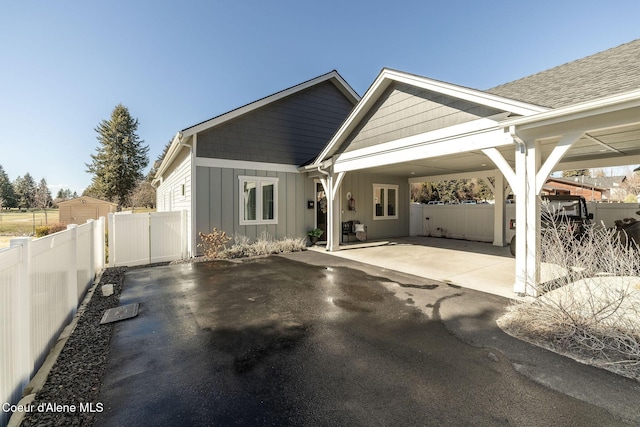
(260, 181)
(385, 210)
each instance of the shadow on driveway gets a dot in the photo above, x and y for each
(308, 339)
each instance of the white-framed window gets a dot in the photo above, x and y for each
(258, 200)
(385, 201)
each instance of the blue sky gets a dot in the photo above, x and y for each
(66, 64)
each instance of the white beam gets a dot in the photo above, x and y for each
(418, 147)
(498, 159)
(450, 176)
(559, 151)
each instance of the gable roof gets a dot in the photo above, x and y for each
(388, 76)
(86, 199)
(606, 73)
(182, 138)
(332, 76)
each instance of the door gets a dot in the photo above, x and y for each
(321, 210)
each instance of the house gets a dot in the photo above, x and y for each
(593, 190)
(410, 129)
(80, 209)
(238, 172)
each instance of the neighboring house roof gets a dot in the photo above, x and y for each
(578, 183)
(606, 73)
(86, 199)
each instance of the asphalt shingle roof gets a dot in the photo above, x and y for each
(606, 73)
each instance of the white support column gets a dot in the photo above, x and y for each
(334, 212)
(532, 218)
(498, 210)
(519, 191)
(325, 181)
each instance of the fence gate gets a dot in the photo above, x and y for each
(145, 238)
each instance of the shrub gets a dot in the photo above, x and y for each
(591, 310)
(45, 230)
(264, 245)
(213, 243)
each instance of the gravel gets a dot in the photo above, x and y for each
(75, 379)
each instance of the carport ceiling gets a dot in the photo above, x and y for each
(617, 146)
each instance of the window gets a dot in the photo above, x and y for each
(258, 200)
(385, 201)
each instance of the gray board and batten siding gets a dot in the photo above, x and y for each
(360, 185)
(218, 205)
(291, 131)
(405, 110)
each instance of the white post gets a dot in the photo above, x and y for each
(498, 210)
(185, 235)
(533, 218)
(520, 190)
(112, 234)
(92, 248)
(21, 340)
(100, 255)
(72, 271)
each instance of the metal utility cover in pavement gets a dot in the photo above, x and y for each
(120, 313)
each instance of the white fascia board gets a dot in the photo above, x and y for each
(270, 99)
(471, 95)
(352, 120)
(242, 164)
(448, 133)
(452, 176)
(584, 109)
(418, 147)
(172, 152)
(387, 76)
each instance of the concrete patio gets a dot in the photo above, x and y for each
(473, 265)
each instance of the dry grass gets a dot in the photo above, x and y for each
(592, 313)
(14, 223)
(264, 245)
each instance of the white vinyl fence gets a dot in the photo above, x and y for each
(42, 281)
(475, 222)
(145, 238)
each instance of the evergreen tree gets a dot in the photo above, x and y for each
(7, 193)
(25, 190)
(120, 157)
(575, 172)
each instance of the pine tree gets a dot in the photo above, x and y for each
(575, 172)
(25, 189)
(7, 193)
(120, 158)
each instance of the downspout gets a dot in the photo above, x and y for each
(518, 141)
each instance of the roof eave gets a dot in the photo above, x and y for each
(387, 76)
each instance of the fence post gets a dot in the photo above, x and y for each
(22, 313)
(112, 235)
(184, 234)
(72, 268)
(100, 255)
(92, 249)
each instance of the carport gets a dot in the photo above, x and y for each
(415, 129)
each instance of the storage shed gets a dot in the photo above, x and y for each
(80, 209)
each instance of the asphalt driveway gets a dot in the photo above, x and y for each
(310, 339)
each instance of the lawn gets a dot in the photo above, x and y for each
(14, 223)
